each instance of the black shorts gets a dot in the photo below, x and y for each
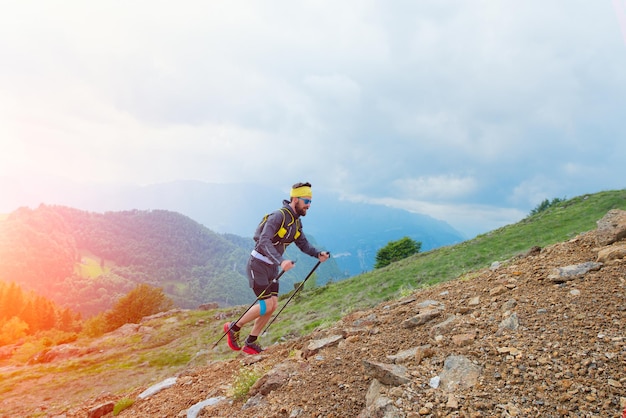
(260, 276)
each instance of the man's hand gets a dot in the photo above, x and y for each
(323, 256)
(287, 265)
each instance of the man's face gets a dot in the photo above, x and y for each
(302, 205)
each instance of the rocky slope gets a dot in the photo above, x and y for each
(541, 335)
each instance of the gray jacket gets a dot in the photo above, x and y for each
(279, 229)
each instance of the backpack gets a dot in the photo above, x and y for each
(282, 231)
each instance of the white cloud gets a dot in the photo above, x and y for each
(470, 219)
(341, 91)
(435, 188)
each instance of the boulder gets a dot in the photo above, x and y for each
(611, 228)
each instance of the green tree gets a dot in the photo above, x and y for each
(143, 300)
(95, 326)
(546, 204)
(396, 250)
(12, 330)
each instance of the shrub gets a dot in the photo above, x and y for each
(95, 326)
(122, 404)
(244, 380)
(143, 300)
(12, 330)
(546, 204)
(396, 250)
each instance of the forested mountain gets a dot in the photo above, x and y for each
(26, 313)
(86, 260)
(353, 232)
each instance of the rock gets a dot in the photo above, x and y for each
(611, 228)
(614, 383)
(533, 251)
(510, 323)
(564, 274)
(59, 352)
(498, 290)
(509, 304)
(317, 345)
(461, 340)
(271, 381)
(7, 351)
(459, 373)
(382, 407)
(370, 320)
(404, 355)
(509, 350)
(195, 409)
(254, 401)
(424, 351)
(101, 410)
(444, 326)
(614, 252)
(167, 383)
(429, 304)
(412, 353)
(127, 330)
(388, 374)
(354, 331)
(377, 405)
(452, 402)
(373, 392)
(421, 318)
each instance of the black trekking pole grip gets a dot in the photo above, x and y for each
(291, 297)
(249, 307)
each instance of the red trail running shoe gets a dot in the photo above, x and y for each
(232, 337)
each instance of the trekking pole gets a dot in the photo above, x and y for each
(249, 307)
(291, 297)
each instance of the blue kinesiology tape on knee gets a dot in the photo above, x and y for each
(262, 307)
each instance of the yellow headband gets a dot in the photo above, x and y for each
(301, 191)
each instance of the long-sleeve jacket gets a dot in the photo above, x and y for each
(279, 229)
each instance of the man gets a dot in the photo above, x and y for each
(272, 236)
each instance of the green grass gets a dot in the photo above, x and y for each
(556, 224)
(121, 405)
(90, 266)
(244, 379)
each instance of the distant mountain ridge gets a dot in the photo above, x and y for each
(48, 249)
(353, 232)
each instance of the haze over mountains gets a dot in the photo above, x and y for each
(352, 232)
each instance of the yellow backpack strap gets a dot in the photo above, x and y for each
(282, 230)
(298, 227)
(285, 210)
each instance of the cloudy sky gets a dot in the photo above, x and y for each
(470, 111)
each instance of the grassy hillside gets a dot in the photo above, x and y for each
(90, 266)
